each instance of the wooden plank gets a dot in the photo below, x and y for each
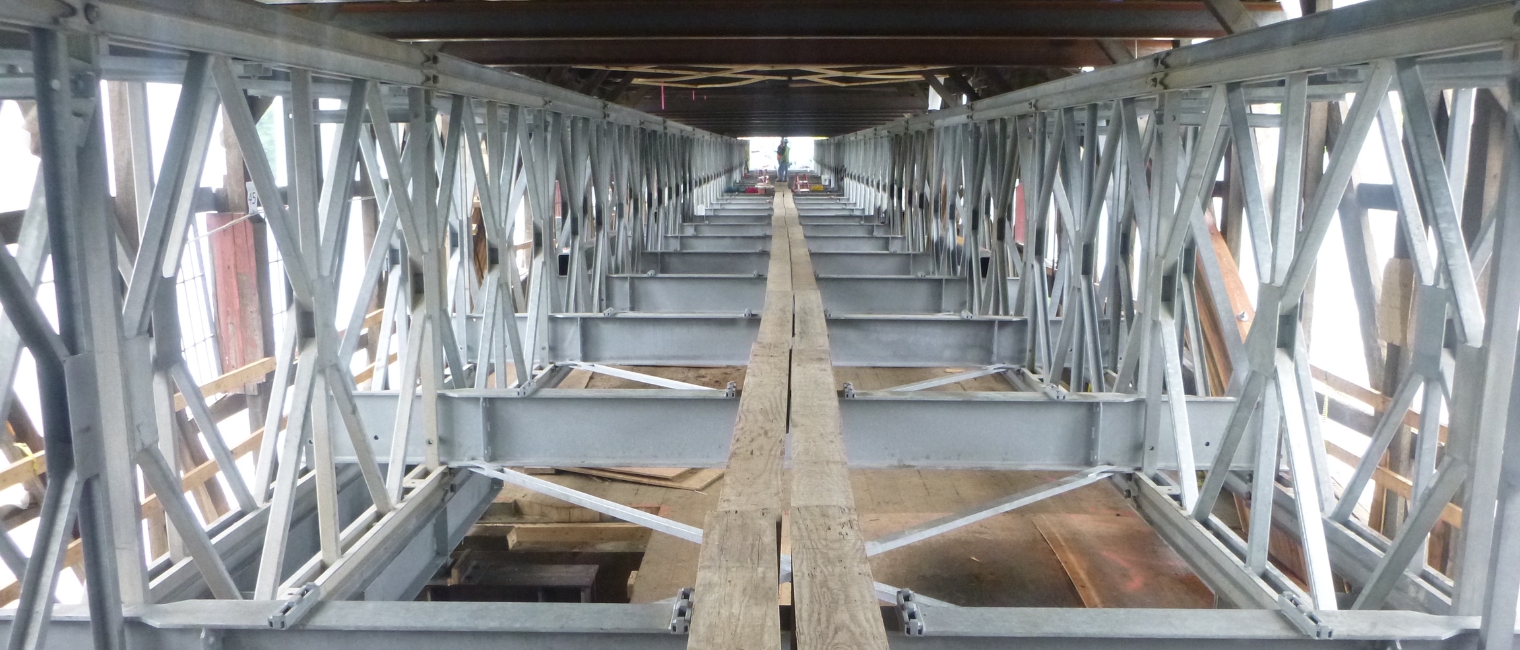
(657, 472)
(832, 587)
(235, 293)
(1240, 298)
(580, 576)
(1378, 401)
(835, 604)
(738, 567)
(369, 371)
(576, 379)
(581, 538)
(1122, 562)
(208, 494)
(697, 479)
(23, 470)
(1390, 480)
(235, 380)
(738, 580)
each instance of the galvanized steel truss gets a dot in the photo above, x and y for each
(1096, 311)
(1116, 171)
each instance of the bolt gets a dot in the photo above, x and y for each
(85, 84)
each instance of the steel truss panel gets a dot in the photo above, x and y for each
(260, 34)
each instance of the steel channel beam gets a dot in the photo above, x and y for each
(824, 263)
(644, 339)
(732, 217)
(397, 570)
(1354, 557)
(725, 229)
(686, 294)
(1023, 431)
(927, 341)
(826, 229)
(884, 295)
(677, 428)
(866, 263)
(723, 243)
(833, 217)
(240, 541)
(641, 339)
(565, 427)
(376, 625)
(1214, 562)
(843, 295)
(370, 625)
(842, 243)
(1167, 629)
(690, 262)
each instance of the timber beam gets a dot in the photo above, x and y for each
(788, 18)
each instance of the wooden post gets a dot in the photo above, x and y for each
(248, 244)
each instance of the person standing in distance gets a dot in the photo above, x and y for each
(782, 161)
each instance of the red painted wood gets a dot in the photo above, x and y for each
(236, 292)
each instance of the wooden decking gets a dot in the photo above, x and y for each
(738, 568)
(790, 379)
(791, 387)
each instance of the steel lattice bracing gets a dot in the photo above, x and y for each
(1057, 236)
(1116, 173)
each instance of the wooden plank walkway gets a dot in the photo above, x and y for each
(790, 378)
(738, 568)
(834, 600)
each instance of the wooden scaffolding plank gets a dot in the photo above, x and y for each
(738, 568)
(835, 600)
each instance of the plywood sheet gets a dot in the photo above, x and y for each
(1121, 562)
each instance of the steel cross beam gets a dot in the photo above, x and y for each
(613, 427)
